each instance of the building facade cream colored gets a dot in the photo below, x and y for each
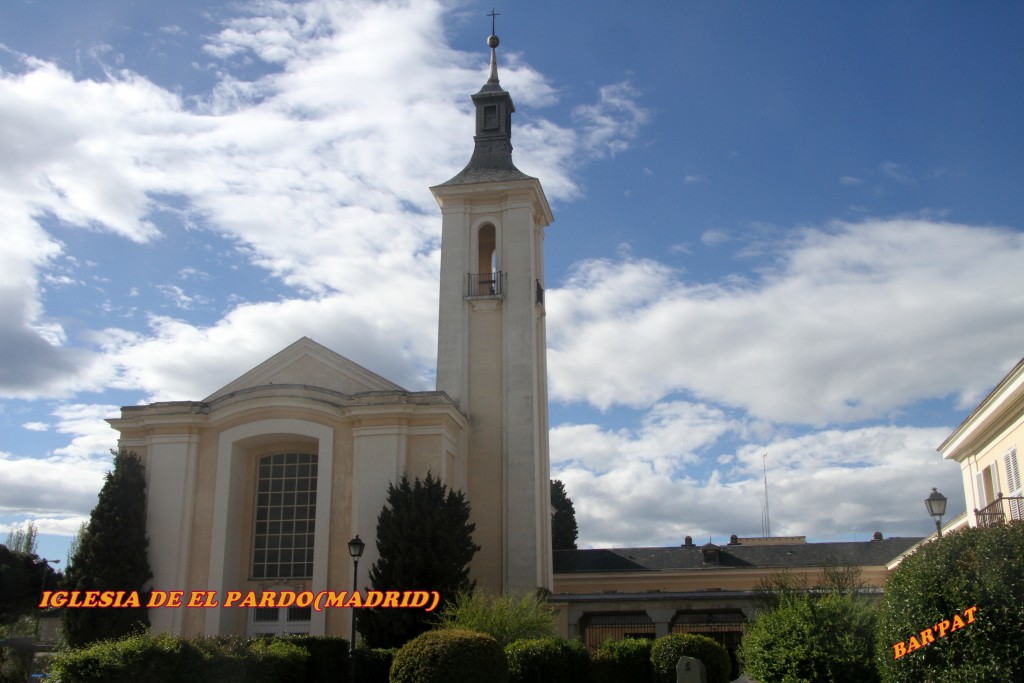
(987, 447)
(260, 485)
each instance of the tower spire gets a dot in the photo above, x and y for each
(492, 149)
(493, 42)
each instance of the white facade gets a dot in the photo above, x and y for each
(260, 486)
(988, 446)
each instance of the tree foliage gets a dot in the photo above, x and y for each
(812, 639)
(20, 583)
(564, 531)
(967, 568)
(667, 650)
(450, 656)
(507, 618)
(835, 577)
(113, 555)
(548, 660)
(622, 661)
(424, 542)
(23, 540)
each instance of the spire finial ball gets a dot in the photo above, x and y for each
(492, 41)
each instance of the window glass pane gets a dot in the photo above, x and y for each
(284, 516)
(299, 613)
(264, 614)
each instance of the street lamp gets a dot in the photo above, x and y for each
(47, 563)
(936, 504)
(355, 549)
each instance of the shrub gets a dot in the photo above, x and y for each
(812, 639)
(275, 660)
(171, 659)
(967, 568)
(450, 656)
(667, 650)
(328, 656)
(622, 661)
(155, 659)
(507, 618)
(547, 660)
(374, 665)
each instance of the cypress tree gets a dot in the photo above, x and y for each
(563, 518)
(424, 542)
(113, 555)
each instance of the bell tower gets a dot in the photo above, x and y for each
(492, 348)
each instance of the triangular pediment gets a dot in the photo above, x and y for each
(310, 364)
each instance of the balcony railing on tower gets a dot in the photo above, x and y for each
(999, 510)
(485, 284)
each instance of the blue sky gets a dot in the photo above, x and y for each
(790, 228)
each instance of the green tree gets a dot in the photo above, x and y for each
(113, 555)
(507, 618)
(16, 585)
(563, 518)
(971, 567)
(76, 542)
(667, 650)
(23, 540)
(812, 639)
(424, 542)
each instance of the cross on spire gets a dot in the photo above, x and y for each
(492, 15)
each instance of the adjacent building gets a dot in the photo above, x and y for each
(985, 446)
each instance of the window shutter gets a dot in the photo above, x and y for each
(979, 480)
(1012, 468)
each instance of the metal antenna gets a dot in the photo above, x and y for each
(766, 522)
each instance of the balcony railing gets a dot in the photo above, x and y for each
(999, 510)
(485, 284)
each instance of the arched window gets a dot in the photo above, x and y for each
(486, 281)
(285, 516)
(488, 249)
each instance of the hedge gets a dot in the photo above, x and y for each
(374, 665)
(450, 656)
(622, 661)
(170, 659)
(667, 650)
(808, 639)
(971, 567)
(548, 660)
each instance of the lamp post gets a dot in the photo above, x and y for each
(936, 504)
(355, 549)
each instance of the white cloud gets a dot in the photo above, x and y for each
(852, 322)
(59, 490)
(317, 170)
(179, 360)
(608, 126)
(897, 173)
(50, 486)
(824, 484)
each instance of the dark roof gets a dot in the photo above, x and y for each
(491, 162)
(860, 553)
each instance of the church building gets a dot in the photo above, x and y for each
(260, 485)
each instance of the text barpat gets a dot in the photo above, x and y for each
(928, 636)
